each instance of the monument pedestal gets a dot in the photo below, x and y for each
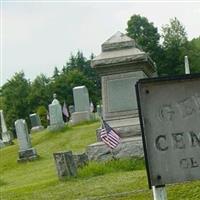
(78, 117)
(128, 148)
(125, 128)
(37, 129)
(27, 155)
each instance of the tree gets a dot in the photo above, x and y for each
(80, 64)
(42, 112)
(145, 35)
(192, 50)
(174, 41)
(15, 101)
(40, 92)
(55, 72)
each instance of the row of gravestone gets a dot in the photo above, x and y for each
(80, 113)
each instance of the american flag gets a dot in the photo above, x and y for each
(64, 110)
(109, 136)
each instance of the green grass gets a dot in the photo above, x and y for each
(37, 180)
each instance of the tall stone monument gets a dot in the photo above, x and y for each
(121, 64)
(35, 123)
(6, 135)
(81, 103)
(26, 152)
(55, 114)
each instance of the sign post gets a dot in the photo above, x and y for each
(159, 193)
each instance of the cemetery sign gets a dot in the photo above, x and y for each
(170, 121)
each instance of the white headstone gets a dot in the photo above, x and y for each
(81, 99)
(22, 134)
(26, 152)
(5, 134)
(55, 114)
(35, 122)
(82, 105)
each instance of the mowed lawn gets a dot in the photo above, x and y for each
(38, 179)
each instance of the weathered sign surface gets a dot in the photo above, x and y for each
(170, 121)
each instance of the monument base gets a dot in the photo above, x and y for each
(8, 143)
(125, 128)
(27, 155)
(128, 148)
(78, 117)
(1, 144)
(56, 127)
(37, 129)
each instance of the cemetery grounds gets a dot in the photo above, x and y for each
(118, 179)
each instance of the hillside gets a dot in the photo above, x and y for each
(115, 180)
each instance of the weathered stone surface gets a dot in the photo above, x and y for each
(26, 151)
(78, 117)
(1, 144)
(121, 64)
(6, 135)
(56, 117)
(99, 110)
(128, 148)
(120, 50)
(35, 123)
(71, 109)
(22, 135)
(81, 99)
(81, 160)
(65, 164)
(27, 155)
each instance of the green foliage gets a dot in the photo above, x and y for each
(174, 41)
(15, 101)
(42, 112)
(97, 168)
(80, 63)
(19, 97)
(40, 93)
(38, 180)
(192, 50)
(145, 34)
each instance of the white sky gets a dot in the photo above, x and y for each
(37, 36)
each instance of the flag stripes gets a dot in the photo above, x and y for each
(65, 110)
(109, 136)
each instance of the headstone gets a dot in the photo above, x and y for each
(71, 109)
(80, 160)
(35, 122)
(55, 114)
(121, 64)
(99, 110)
(82, 106)
(6, 135)
(26, 152)
(1, 144)
(65, 164)
(81, 99)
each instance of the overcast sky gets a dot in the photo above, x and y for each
(37, 36)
